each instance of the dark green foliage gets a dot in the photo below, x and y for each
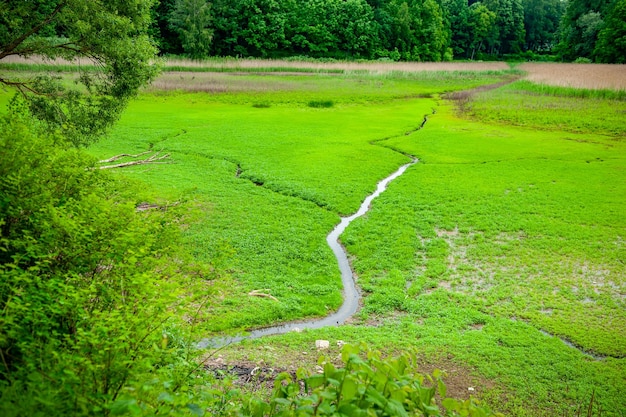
(113, 35)
(411, 30)
(417, 30)
(506, 36)
(470, 27)
(582, 21)
(90, 289)
(334, 28)
(611, 45)
(457, 11)
(191, 19)
(481, 21)
(365, 385)
(270, 28)
(321, 103)
(541, 22)
(330, 28)
(161, 31)
(251, 27)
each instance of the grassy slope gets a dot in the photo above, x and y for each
(502, 233)
(314, 164)
(498, 234)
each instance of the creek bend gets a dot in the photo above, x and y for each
(351, 295)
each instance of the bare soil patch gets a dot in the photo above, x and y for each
(461, 381)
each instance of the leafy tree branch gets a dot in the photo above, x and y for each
(110, 41)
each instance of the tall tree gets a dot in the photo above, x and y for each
(507, 36)
(579, 28)
(252, 27)
(358, 33)
(458, 18)
(611, 45)
(316, 27)
(417, 30)
(541, 23)
(113, 35)
(480, 23)
(191, 20)
(164, 35)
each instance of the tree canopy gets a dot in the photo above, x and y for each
(611, 45)
(77, 263)
(417, 30)
(108, 38)
(593, 29)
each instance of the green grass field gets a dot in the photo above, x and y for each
(499, 256)
(272, 180)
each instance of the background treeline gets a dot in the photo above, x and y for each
(416, 30)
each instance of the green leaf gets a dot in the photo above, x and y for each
(451, 404)
(349, 410)
(302, 373)
(349, 389)
(195, 410)
(315, 381)
(395, 408)
(125, 406)
(282, 401)
(166, 397)
(442, 388)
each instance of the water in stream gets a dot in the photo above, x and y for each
(350, 292)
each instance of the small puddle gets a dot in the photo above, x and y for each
(351, 294)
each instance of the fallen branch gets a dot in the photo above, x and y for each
(257, 293)
(123, 155)
(148, 206)
(154, 159)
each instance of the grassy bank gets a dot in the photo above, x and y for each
(273, 172)
(499, 256)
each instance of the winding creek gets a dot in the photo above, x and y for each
(351, 295)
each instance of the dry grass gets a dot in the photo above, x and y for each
(38, 60)
(374, 67)
(251, 64)
(213, 82)
(589, 76)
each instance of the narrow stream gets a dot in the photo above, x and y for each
(351, 294)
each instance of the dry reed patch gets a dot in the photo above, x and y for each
(589, 76)
(213, 82)
(278, 66)
(39, 60)
(374, 67)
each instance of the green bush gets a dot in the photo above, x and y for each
(91, 291)
(365, 385)
(321, 104)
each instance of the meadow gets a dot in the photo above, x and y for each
(499, 256)
(273, 172)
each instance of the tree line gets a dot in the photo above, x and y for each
(408, 30)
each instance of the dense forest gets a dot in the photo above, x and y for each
(408, 30)
(397, 30)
